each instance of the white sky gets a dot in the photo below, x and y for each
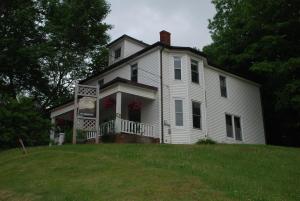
(186, 20)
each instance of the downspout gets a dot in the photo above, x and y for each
(161, 98)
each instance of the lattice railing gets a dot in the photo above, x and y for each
(84, 90)
(86, 124)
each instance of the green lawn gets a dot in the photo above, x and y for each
(151, 172)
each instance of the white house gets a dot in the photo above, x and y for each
(171, 93)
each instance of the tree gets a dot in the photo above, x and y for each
(74, 48)
(46, 45)
(260, 39)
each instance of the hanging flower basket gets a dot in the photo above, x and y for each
(135, 105)
(108, 103)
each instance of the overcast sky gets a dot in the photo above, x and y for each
(143, 19)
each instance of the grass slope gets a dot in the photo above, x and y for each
(151, 172)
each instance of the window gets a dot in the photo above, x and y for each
(100, 83)
(237, 132)
(237, 128)
(177, 68)
(223, 86)
(117, 53)
(178, 113)
(196, 107)
(229, 129)
(194, 71)
(134, 72)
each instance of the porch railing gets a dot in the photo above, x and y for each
(137, 128)
(130, 127)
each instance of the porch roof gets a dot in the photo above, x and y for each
(116, 85)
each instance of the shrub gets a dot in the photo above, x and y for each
(206, 141)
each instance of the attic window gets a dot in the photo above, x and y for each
(117, 53)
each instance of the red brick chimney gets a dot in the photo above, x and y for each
(165, 37)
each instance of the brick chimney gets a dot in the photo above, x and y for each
(165, 37)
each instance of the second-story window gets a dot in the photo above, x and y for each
(195, 71)
(177, 68)
(101, 82)
(117, 53)
(223, 86)
(134, 72)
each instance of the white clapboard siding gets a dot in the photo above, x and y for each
(243, 100)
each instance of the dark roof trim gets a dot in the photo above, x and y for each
(129, 82)
(122, 61)
(129, 37)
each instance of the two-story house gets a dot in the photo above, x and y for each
(171, 93)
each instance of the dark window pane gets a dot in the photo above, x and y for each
(101, 82)
(134, 73)
(196, 109)
(237, 128)
(197, 121)
(117, 53)
(223, 86)
(195, 77)
(177, 74)
(229, 129)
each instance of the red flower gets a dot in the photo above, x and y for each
(108, 102)
(135, 105)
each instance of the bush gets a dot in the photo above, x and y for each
(22, 119)
(206, 141)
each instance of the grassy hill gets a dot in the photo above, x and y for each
(151, 172)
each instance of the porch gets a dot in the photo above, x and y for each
(125, 109)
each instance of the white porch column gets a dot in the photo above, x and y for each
(118, 112)
(97, 115)
(52, 131)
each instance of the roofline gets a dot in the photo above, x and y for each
(128, 37)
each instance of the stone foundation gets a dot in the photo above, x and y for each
(125, 138)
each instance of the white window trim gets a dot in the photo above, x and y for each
(137, 69)
(233, 127)
(201, 122)
(199, 80)
(173, 61)
(183, 123)
(226, 86)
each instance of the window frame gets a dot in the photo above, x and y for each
(200, 114)
(119, 49)
(175, 113)
(131, 72)
(196, 63)
(223, 86)
(232, 118)
(177, 68)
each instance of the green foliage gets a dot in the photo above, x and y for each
(46, 45)
(21, 119)
(260, 39)
(206, 141)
